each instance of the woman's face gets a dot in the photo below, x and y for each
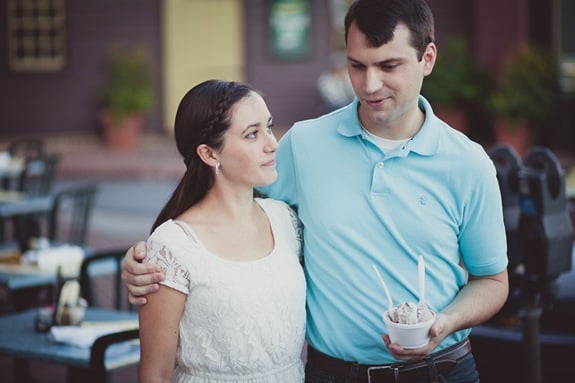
(248, 152)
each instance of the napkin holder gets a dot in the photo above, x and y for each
(71, 308)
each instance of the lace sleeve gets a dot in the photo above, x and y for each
(177, 275)
(297, 225)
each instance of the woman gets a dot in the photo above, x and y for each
(232, 306)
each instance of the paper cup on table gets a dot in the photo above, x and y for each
(408, 335)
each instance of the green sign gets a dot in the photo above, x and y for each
(289, 25)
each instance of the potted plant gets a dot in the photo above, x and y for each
(524, 96)
(456, 83)
(127, 96)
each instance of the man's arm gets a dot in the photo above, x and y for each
(480, 299)
(477, 301)
(140, 279)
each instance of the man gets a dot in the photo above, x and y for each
(383, 181)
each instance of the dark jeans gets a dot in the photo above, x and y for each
(465, 371)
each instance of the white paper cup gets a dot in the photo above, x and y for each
(408, 335)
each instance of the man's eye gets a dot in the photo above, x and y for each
(388, 67)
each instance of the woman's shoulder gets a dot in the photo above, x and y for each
(167, 228)
(169, 233)
(167, 247)
(274, 205)
(282, 213)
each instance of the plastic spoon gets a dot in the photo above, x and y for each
(389, 302)
(421, 276)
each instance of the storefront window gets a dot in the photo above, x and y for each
(36, 35)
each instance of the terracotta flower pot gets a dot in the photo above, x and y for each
(121, 133)
(517, 134)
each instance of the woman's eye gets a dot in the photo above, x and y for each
(252, 135)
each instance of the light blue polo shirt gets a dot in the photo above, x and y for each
(436, 195)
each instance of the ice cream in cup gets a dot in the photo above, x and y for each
(408, 324)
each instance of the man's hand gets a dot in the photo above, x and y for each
(475, 303)
(437, 333)
(139, 278)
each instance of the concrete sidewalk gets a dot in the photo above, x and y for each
(155, 158)
(133, 185)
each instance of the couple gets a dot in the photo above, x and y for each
(380, 181)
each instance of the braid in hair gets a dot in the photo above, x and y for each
(216, 120)
(221, 111)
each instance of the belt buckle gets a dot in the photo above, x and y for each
(395, 372)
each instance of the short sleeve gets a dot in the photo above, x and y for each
(177, 275)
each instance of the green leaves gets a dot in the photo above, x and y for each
(526, 87)
(128, 87)
(457, 79)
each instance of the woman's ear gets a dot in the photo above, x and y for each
(206, 154)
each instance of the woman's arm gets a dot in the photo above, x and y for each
(140, 278)
(159, 332)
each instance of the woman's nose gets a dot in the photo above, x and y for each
(272, 144)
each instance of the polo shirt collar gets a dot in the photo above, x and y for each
(349, 124)
(425, 142)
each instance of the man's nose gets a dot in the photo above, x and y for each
(372, 81)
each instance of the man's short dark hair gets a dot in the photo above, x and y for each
(377, 20)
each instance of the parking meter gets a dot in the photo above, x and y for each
(507, 164)
(546, 243)
(545, 228)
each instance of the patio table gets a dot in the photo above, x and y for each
(20, 340)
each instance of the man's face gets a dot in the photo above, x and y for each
(387, 79)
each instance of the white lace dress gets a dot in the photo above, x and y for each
(243, 321)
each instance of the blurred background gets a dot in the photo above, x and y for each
(63, 62)
(98, 83)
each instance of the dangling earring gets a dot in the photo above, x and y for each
(217, 170)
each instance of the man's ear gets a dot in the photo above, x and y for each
(206, 154)
(429, 57)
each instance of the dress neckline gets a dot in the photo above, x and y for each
(194, 236)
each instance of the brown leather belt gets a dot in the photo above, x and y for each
(441, 362)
